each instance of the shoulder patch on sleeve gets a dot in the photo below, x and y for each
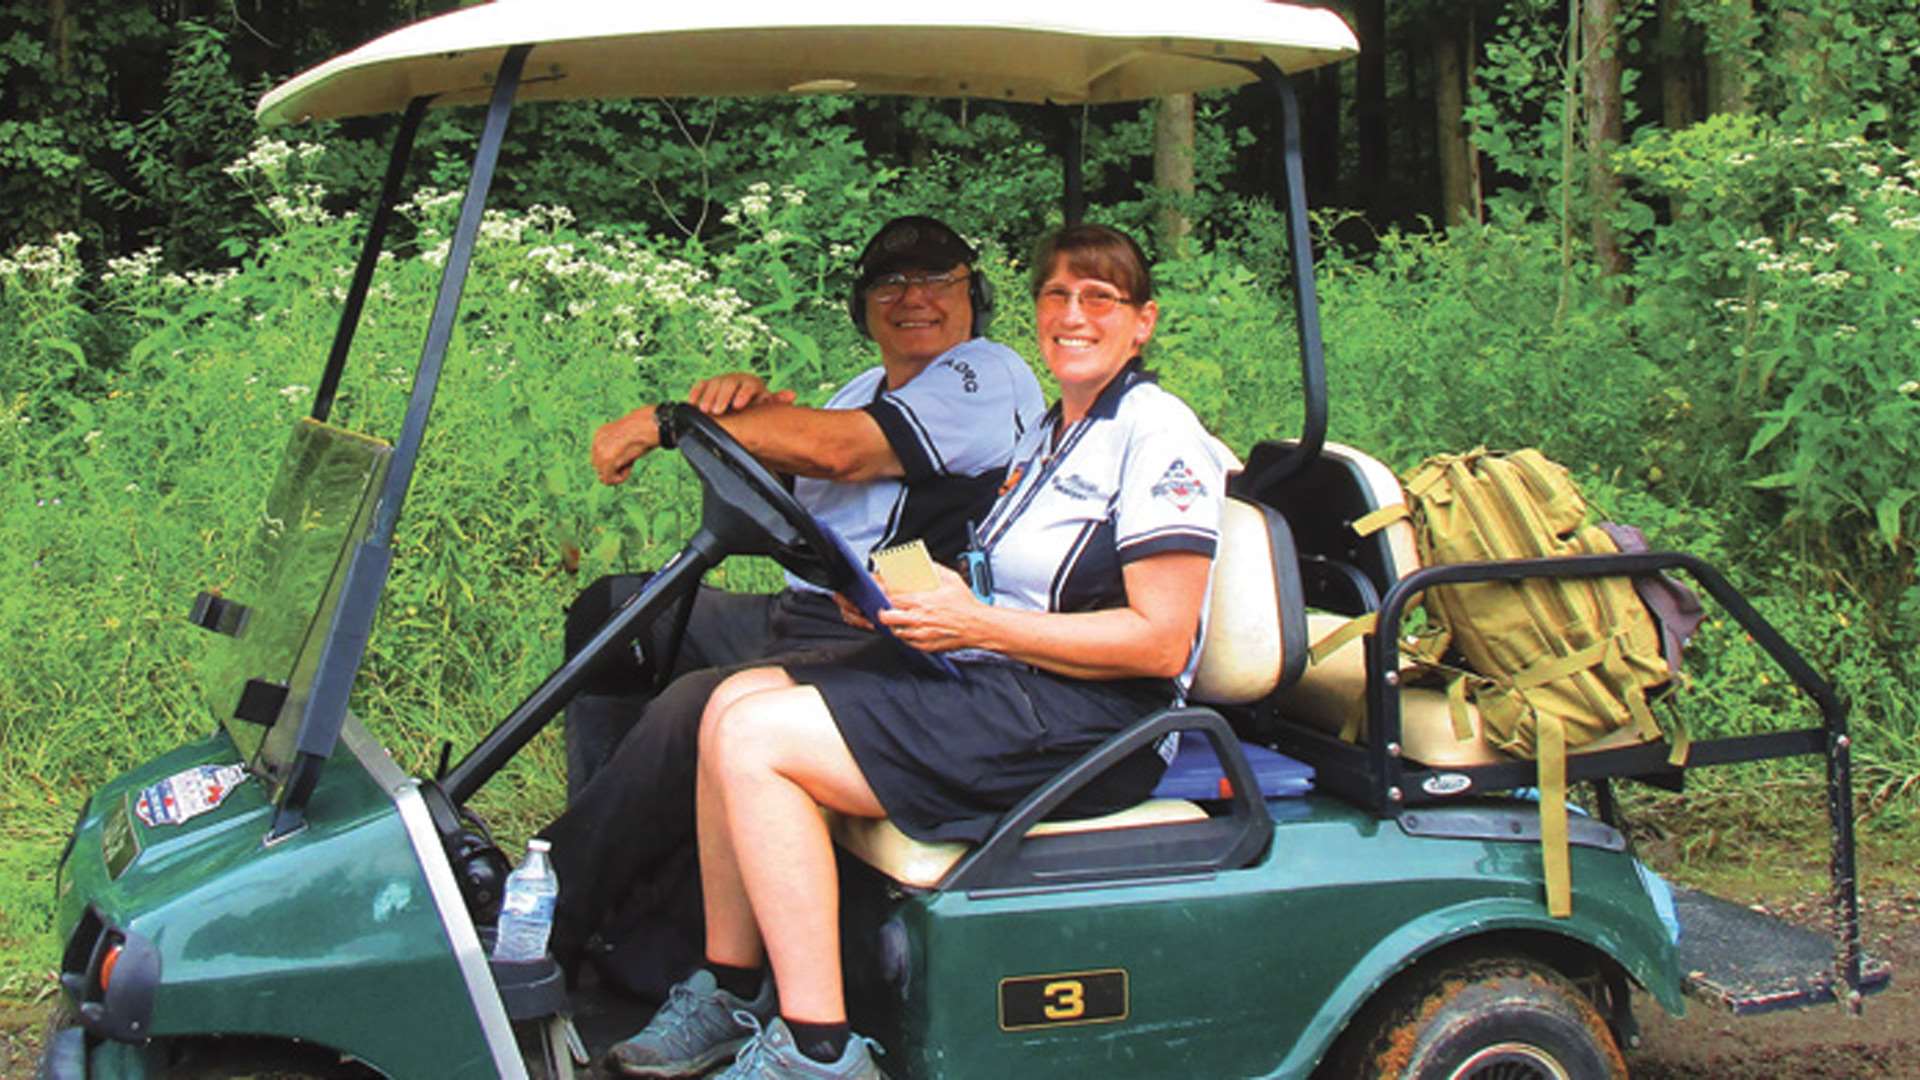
(1179, 486)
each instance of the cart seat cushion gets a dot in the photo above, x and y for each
(1334, 689)
(881, 845)
(1256, 638)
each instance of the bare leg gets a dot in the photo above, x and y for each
(732, 935)
(777, 755)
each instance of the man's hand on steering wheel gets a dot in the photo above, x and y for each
(744, 505)
(620, 443)
(732, 392)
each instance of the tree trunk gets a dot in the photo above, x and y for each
(1323, 135)
(1679, 73)
(1370, 103)
(1173, 169)
(1600, 34)
(1450, 128)
(1727, 76)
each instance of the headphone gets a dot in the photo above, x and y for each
(979, 289)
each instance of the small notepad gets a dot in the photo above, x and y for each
(905, 568)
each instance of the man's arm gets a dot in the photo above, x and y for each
(842, 445)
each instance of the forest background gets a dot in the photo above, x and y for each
(1675, 244)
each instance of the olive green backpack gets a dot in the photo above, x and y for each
(1552, 664)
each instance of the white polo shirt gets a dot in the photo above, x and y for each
(1137, 476)
(953, 427)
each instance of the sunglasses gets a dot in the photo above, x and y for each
(1094, 302)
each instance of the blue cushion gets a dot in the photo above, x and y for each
(1196, 773)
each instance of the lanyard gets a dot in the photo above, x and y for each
(998, 523)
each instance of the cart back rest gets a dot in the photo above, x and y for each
(289, 580)
(1256, 640)
(1342, 571)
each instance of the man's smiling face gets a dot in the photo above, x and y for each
(927, 320)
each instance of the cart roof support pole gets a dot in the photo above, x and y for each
(369, 257)
(366, 575)
(1306, 301)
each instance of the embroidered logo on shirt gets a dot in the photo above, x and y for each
(1076, 487)
(969, 379)
(1179, 486)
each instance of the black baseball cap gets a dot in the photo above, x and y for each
(914, 242)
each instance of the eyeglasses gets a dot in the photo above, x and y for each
(1095, 302)
(890, 288)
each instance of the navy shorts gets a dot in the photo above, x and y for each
(947, 757)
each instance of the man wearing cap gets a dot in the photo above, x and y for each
(914, 447)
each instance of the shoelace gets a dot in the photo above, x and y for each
(682, 1004)
(753, 1053)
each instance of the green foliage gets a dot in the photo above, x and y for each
(1441, 341)
(175, 152)
(1781, 296)
(1824, 63)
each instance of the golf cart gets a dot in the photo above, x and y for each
(280, 887)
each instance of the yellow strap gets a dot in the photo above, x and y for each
(1457, 708)
(1330, 644)
(1368, 524)
(1350, 727)
(1430, 472)
(1552, 756)
(1562, 666)
(1642, 716)
(1682, 742)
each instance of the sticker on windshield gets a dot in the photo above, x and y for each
(188, 794)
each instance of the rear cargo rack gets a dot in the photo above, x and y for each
(1378, 778)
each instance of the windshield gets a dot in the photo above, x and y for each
(289, 579)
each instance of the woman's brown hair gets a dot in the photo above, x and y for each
(1095, 251)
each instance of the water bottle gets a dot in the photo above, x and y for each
(526, 911)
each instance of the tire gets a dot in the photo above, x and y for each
(1486, 1018)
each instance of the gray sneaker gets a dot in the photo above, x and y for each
(700, 1026)
(772, 1055)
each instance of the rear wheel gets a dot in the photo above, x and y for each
(1488, 1018)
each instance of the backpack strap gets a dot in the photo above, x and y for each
(1333, 642)
(1368, 524)
(1457, 707)
(1552, 758)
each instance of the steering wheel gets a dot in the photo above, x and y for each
(748, 510)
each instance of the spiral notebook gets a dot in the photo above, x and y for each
(867, 595)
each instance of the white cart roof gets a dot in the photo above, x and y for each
(1063, 51)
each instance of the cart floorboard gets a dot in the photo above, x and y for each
(1750, 962)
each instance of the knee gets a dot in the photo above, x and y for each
(745, 739)
(737, 687)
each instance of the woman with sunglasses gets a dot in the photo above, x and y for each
(1085, 616)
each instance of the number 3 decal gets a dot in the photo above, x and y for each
(1066, 1000)
(1063, 998)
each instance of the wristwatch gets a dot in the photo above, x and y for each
(663, 423)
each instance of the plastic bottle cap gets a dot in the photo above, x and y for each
(537, 844)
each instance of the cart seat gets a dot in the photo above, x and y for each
(920, 864)
(1256, 642)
